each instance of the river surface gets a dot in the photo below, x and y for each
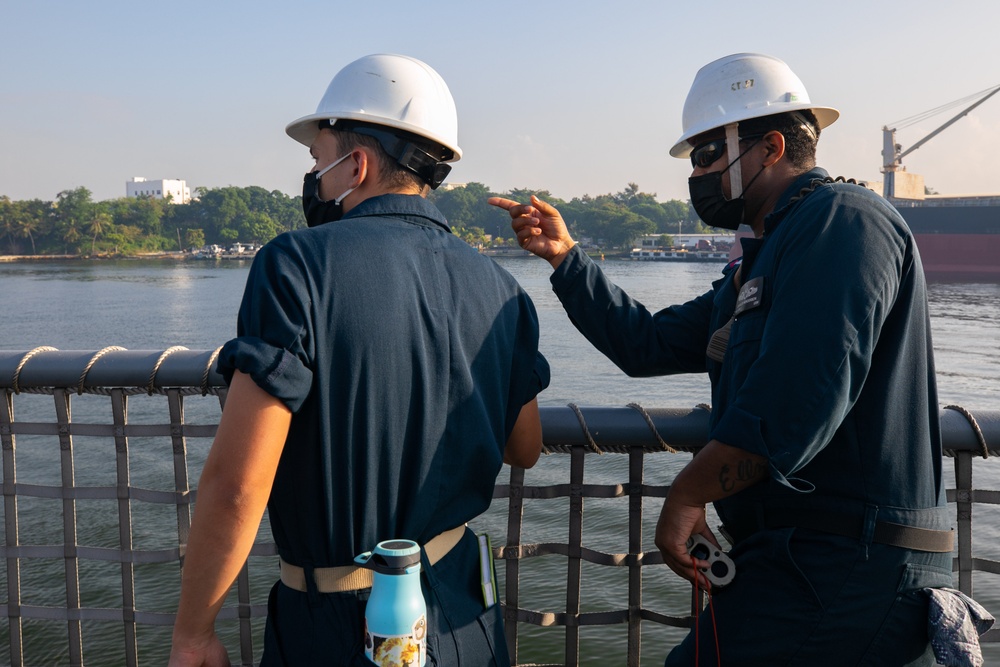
(80, 305)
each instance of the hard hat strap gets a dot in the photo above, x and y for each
(806, 125)
(735, 171)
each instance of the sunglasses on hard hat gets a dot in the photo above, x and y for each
(705, 154)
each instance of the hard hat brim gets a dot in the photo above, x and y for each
(305, 129)
(825, 116)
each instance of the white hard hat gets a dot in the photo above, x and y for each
(740, 87)
(390, 90)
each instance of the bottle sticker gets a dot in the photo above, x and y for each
(398, 650)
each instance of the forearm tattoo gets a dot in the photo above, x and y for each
(747, 470)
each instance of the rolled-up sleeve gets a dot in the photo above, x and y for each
(272, 343)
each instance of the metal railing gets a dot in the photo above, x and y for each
(48, 584)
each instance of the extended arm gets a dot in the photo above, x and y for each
(232, 494)
(638, 341)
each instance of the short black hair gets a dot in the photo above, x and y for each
(390, 172)
(406, 150)
(799, 128)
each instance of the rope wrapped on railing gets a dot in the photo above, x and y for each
(90, 364)
(599, 429)
(984, 450)
(149, 371)
(177, 373)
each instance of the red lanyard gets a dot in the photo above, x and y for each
(715, 630)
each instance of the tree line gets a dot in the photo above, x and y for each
(75, 224)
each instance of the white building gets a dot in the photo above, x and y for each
(178, 191)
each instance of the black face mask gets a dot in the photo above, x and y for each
(316, 210)
(710, 202)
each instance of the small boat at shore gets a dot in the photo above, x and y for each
(675, 255)
(236, 251)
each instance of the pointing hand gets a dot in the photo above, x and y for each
(539, 228)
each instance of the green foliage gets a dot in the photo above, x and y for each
(230, 214)
(194, 238)
(466, 208)
(8, 222)
(75, 224)
(616, 220)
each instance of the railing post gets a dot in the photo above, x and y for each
(182, 482)
(119, 410)
(72, 563)
(636, 458)
(244, 611)
(11, 536)
(963, 514)
(574, 564)
(512, 558)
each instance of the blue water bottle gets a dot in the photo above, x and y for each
(396, 616)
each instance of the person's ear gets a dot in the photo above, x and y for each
(361, 167)
(774, 147)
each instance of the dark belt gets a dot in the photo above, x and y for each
(885, 532)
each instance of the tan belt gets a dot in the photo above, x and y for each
(353, 578)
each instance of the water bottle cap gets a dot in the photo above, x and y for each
(398, 549)
(392, 557)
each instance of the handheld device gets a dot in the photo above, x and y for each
(721, 568)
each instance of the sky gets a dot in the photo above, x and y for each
(575, 98)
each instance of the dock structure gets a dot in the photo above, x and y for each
(72, 518)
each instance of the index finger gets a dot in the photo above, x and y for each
(500, 202)
(515, 209)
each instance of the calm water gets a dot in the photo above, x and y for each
(154, 305)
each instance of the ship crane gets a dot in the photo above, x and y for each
(893, 153)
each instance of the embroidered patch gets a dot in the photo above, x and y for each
(751, 295)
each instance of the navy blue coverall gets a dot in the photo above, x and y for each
(829, 375)
(405, 357)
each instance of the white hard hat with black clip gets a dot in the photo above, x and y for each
(400, 101)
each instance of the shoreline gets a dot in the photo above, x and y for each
(183, 256)
(56, 258)
(27, 258)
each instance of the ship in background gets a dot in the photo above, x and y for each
(957, 235)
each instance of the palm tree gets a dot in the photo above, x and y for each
(26, 223)
(98, 223)
(7, 225)
(17, 220)
(71, 234)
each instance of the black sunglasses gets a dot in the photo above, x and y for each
(705, 154)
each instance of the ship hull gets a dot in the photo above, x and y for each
(956, 240)
(960, 254)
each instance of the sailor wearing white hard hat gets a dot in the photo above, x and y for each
(823, 456)
(382, 374)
